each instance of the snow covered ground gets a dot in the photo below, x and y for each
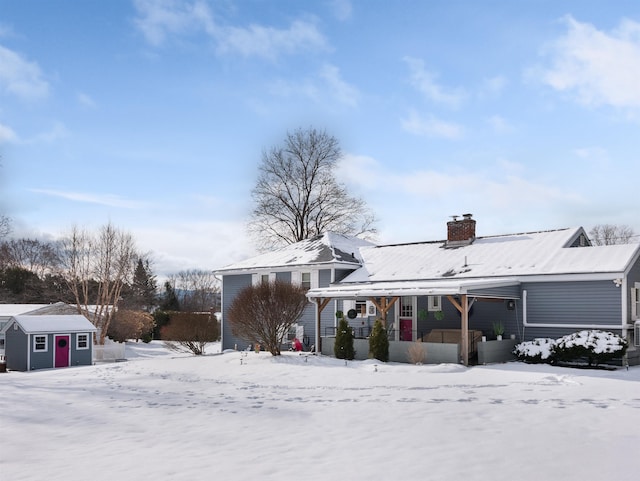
(162, 416)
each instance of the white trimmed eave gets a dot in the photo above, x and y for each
(287, 268)
(409, 288)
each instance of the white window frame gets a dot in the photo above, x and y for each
(296, 277)
(85, 335)
(256, 278)
(303, 283)
(36, 342)
(635, 301)
(435, 303)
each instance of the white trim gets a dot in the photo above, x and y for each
(46, 343)
(78, 334)
(434, 306)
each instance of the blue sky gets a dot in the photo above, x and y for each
(153, 114)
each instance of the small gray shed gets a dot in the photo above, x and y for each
(48, 341)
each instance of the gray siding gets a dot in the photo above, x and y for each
(507, 292)
(16, 345)
(231, 286)
(42, 360)
(586, 302)
(82, 357)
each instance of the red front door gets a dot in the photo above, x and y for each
(62, 350)
(406, 326)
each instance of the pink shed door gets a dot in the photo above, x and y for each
(62, 350)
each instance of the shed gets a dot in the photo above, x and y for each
(48, 341)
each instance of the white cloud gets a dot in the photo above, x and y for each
(57, 131)
(269, 42)
(328, 89)
(342, 9)
(597, 67)
(342, 91)
(158, 19)
(109, 200)
(425, 82)
(85, 100)
(499, 124)
(21, 77)
(494, 85)
(431, 126)
(7, 134)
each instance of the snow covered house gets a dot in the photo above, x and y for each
(48, 341)
(455, 291)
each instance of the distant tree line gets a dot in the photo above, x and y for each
(108, 280)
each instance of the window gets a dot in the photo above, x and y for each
(40, 343)
(82, 341)
(635, 301)
(361, 308)
(264, 278)
(305, 280)
(435, 303)
(406, 307)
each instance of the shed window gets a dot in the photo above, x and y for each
(82, 341)
(40, 343)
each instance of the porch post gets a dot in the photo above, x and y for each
(320, 305)
(464, 315)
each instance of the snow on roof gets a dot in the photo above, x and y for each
(535, 253)
(329, 248)
(10, 310)
(54, 323)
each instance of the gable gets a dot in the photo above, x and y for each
(31, 324)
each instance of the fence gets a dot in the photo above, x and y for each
(109, 352)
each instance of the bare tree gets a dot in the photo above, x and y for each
(190, 331)
(5, 226)
(196, 290)
(264, 313)
(33, 255)
(298, 197)
(105, 261)
(609, 234)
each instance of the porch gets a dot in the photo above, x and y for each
(454, 341)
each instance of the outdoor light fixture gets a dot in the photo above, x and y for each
(617, 282)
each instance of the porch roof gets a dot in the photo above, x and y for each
(414, 288)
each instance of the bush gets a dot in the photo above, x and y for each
(264, 313)
(190, 331)
(536, 351)
(416, 353)
(343, 347)
(594, 346)
(379, 342)
(129, 324)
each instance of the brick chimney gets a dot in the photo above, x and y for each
(461, 232)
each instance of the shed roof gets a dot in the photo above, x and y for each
(53, 324)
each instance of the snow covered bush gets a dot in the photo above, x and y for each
(594, 345)
(536, 351)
